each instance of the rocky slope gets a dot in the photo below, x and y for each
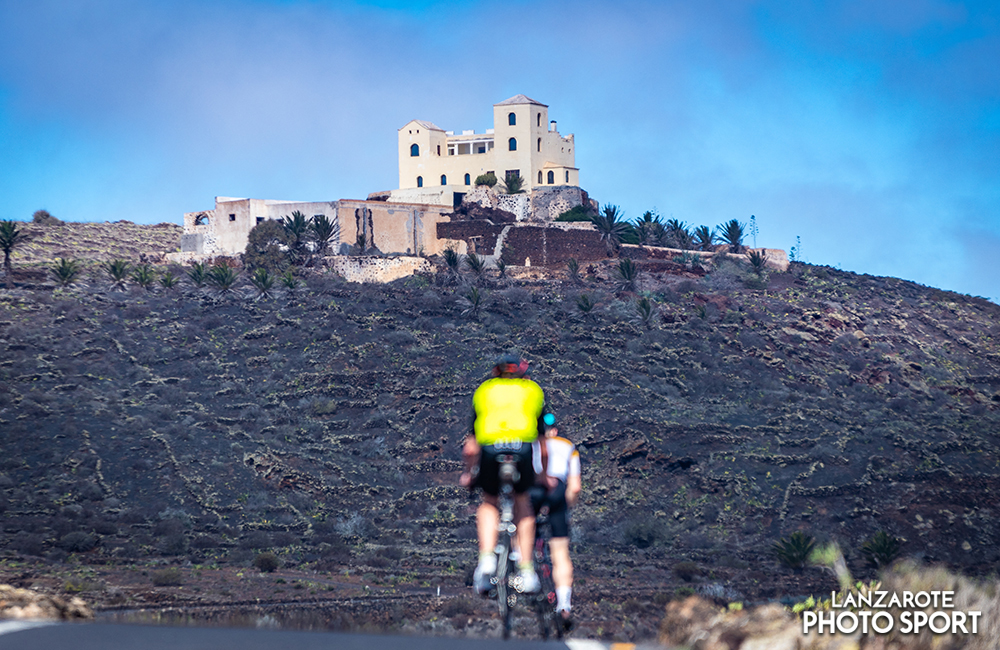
(181, 428)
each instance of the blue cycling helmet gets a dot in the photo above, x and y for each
(549, 420)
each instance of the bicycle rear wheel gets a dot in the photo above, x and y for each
(503, 588)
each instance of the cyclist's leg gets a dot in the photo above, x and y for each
(487, 520)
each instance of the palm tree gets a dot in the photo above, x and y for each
(476, 264)
(262, 281)
(198, 274)
(647, 315)
(223, 278)
(65, 271)
(452, 259)
(758, 260)
(628, 273)
(610, 226)
(732, 233)
(298, 227)
(324, 229)
(289, 280)
(585, 304)
(144, 276)
(678, 235)
(118, 271)
(168, 280)
(646, 228)
(573, 269)
(10, 239)
(472, 301)
(514, 184)
(501, 269)
(704, 238)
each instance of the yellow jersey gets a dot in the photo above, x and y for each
(507, 409)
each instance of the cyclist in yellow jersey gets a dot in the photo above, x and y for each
(508, 413)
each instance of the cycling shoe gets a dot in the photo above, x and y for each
(481, 579)
(528, 582)
(565, 620)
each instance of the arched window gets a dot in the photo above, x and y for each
(420, 179)
(539, 119)
(539, 177)
(539, 144)
(511, 119)
(512, 143)
(552, 178)
(414, 150)
(444, 179)
(567, 176)
(468, 180)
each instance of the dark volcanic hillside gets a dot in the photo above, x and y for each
(326, 426)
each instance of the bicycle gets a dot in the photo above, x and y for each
(544, 602)
(506, 582)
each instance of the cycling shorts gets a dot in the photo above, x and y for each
(558, 510)
(489, 466)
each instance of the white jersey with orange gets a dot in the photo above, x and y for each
(564, 459)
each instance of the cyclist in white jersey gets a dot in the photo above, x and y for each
(564, 466)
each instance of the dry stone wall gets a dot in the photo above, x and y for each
(378, 269)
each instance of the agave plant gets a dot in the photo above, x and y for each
(794, 551)
(758, 260)
(118, 271)
(732, 233)
(168, 280)
(881, 549)
(628, 274)
(263, 282)
(610, 226)
(476, 264)
(65, 271)
(198, 274)
(223, 278)
(144, 276)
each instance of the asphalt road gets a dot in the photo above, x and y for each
(15, 635)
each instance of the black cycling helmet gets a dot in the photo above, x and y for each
(510, 364)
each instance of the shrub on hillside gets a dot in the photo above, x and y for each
(266, 562)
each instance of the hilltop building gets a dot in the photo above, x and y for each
(438, 166)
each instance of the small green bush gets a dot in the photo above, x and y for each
(489, 180)
(687, 571)
(578, 213)
(266, 562)
(171, 576)
(794, 551)
(881, 549)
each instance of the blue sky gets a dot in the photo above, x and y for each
(870, 129)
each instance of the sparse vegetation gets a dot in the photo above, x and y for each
(65, 271)
(11, 237)
(118, 272)
(793, 551)
(267, 562)
(881, 549)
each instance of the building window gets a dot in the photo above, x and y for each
(232, 217)
(414, 150)
(512, 143)
(539, 119)
(512, 173)
(468, 180)
(444, 179)
(539, 144)
(260, 219)
(567, 176)
(552, 178)
(420, 181)
(539, 178)
(201, 219)
(511, 119)
(439, 150)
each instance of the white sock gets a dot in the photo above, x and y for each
(563, 595)
(488, 562)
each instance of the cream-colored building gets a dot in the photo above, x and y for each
(438, 166)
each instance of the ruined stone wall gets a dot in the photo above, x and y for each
(517, 204)
(547, 203)
(479, 236)
(378, 269)
(393, 227)
(551, 244)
